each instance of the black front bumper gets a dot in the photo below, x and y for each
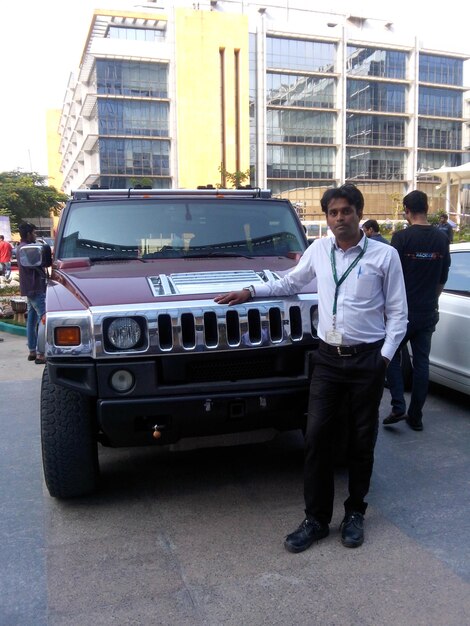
(193, 396)
(133, 422)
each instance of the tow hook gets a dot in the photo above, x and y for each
(157, 431)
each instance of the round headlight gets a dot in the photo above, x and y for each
(124, 333)
(122, 380)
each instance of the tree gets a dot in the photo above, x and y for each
(25, 195)
(235, 178)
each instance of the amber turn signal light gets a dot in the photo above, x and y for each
(67, 336)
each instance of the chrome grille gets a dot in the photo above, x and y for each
(196, 326)
(228, 328)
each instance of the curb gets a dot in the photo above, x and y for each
(14, 330)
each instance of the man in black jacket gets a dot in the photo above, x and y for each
(425, 259)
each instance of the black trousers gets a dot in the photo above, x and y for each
(345, 391)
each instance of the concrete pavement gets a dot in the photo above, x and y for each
(13, 359)
(195, 538)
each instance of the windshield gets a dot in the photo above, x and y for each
(150, 228)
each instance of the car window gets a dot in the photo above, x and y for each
(459, 273)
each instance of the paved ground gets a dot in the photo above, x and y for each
(195, 538)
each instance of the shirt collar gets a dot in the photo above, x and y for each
(360, 243)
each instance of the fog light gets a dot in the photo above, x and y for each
(122, 380)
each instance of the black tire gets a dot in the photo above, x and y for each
(68, 440)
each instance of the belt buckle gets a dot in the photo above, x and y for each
(338, 349)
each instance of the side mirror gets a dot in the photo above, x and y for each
(35, 255)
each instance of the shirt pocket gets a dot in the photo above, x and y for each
(367, 285)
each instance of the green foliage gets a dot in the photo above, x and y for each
(463, 234)
(9, 290)
(26, 195)
(236, 178)
(141, 182)
(9, 320)
(433, 218)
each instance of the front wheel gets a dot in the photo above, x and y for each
(68, 440)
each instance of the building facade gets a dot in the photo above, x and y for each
(191, 93)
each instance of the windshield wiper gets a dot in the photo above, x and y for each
(112, 257)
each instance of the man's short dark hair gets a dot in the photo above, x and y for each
(2, 237)
(25, 228)
(416, 202)
(372, 224)
(348, 192)
(444, 215)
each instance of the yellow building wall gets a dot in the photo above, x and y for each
(200, 35)
(53, 142)
(53, 157)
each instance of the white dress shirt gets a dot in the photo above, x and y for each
(371, 301)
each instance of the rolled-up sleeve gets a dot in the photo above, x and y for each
(293, 282)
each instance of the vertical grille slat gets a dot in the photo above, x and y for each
(254, 326)
(233, 328)
(165, 333)
(275, 324)
(188, 330)
(295, 318)
(211, 332)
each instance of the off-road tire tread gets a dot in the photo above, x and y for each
(68, 441)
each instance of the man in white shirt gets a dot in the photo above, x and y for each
(362, 320)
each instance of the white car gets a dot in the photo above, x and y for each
(450, 349)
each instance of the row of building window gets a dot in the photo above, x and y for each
(442, 70)
(134, 157)
(145, 157)
(375, 62)
(133, 117)
(295, 162)
(135, 34)
(291, 126)
(301, 91)
(131, 78)
(362, 95)
(318, 56)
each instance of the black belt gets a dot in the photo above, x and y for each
(350, 350)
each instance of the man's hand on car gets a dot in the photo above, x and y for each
(234, 297)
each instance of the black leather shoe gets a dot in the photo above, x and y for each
(414, 424)
(309, 531)
(352, 530)
(393, 418)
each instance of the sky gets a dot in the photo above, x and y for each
(41, 43)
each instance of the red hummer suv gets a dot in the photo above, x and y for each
(138, 352)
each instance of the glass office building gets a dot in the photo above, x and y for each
(185, 94)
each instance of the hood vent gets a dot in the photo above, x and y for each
(193, 283)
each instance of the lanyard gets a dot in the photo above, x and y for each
(344, 276)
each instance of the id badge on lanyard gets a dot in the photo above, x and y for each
(333, 336)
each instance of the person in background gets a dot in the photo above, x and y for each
(5, 259)
(372, 230)
(33, 286)
(425, 258)
(362, 320)
(444, 226)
